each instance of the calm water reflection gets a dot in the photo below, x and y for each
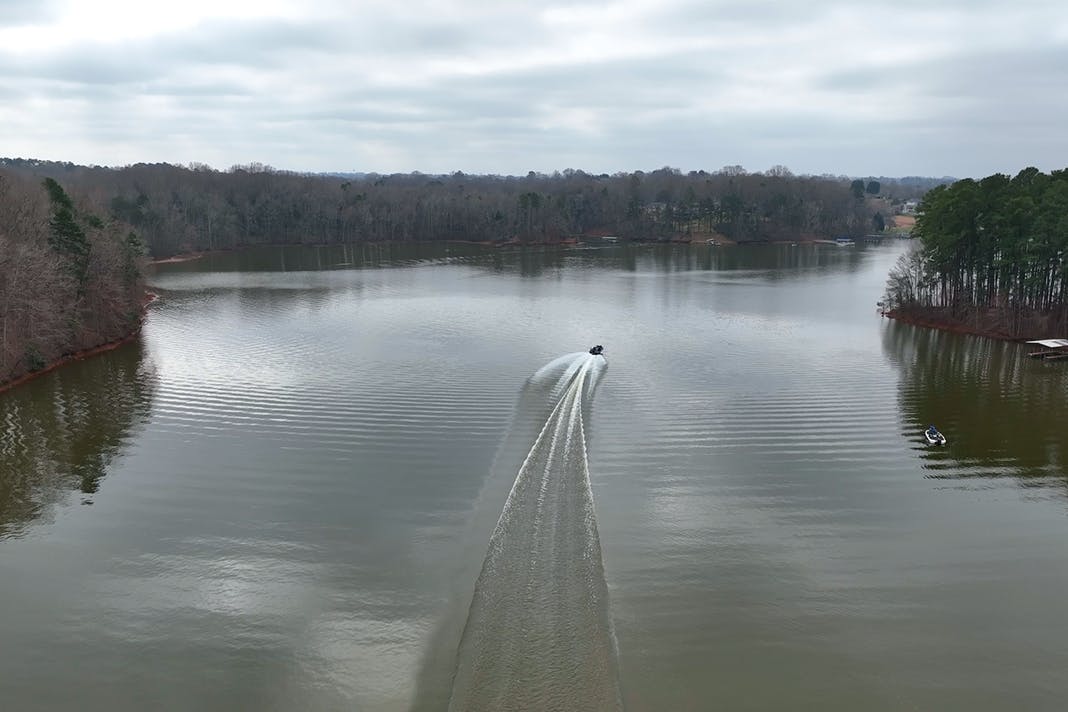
(295, 476)
(61, 434)
(995, 404)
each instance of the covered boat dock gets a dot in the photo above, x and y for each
(1052, 349)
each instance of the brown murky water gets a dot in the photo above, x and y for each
(282, 497)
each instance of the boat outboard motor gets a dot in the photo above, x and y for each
(596, 350)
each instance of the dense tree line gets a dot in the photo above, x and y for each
(180, 209)
(69, 278)
(993, 249)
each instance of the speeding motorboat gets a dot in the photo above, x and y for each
(597, 350)
(933, 436)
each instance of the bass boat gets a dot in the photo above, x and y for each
(933, 436)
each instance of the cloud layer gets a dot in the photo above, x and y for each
(961, 88)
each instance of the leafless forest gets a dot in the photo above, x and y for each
(70, 279)
(73, 238)
(179, 209)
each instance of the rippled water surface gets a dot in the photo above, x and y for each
(294, 493)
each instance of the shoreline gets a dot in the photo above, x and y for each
(176, 258)
(571, 241)
(955, 326)
(187, 256)
(66, 359)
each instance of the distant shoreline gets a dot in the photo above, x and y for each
(177, 258)
(701, 239)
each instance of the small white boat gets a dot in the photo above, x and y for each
(933, 436)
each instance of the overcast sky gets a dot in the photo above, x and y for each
(892, 88)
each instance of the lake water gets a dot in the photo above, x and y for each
(282, 496)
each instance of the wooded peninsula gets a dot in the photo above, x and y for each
(992, 258)
(71, 280)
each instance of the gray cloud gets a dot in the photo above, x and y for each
(706, 17)
(22, 12)
(1021, 79)
(511, 87)
(258, 46)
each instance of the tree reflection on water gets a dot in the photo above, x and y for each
(62, 431)
(1002, 412)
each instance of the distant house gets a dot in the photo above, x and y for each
(910, 207)
(654, 209)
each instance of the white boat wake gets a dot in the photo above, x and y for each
(539, 634)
